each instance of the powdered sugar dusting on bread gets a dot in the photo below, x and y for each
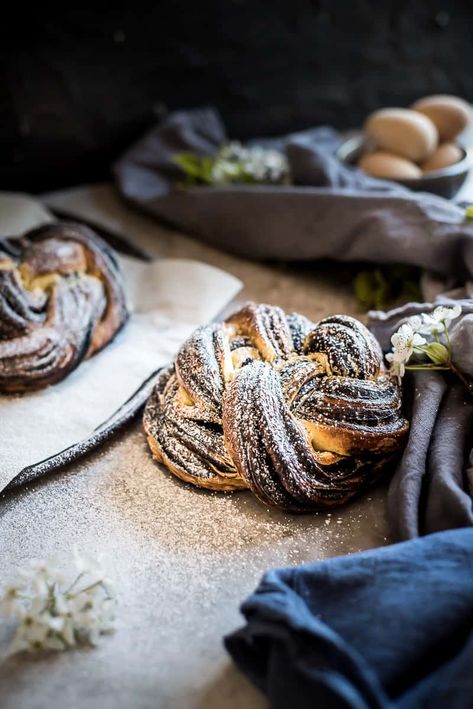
(306, 416)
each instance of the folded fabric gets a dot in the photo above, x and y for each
(432, 487)
(392, 627)
(331, 211)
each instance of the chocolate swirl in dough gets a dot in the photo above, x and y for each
(61, 301)
(303, 414)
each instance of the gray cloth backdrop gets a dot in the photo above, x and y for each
(332, 211)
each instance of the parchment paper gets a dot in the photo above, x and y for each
(169, 298)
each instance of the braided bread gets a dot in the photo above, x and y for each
(303, 414)
(61, 301)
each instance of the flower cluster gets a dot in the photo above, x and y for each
(423, 342)
(54, 612)
(235, 164)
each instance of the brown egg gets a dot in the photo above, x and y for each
(406, 133)
(450, 114)
(388, 166)
(446, 154)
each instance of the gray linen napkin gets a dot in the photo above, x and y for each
(432, 488)
(332, 211)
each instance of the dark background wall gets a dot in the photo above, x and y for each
(79, 82)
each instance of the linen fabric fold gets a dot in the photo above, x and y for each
(330, 210)
(392, 627)
(432, 487)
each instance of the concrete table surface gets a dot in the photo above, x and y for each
(182, 559)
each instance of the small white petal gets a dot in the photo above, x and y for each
(401, 355)
(397, 370)
(423, 323)
(93, 635)
(11, 600)
(55, 623)
(18, 644)
(68, 632)
(54, 643)
(418, 340)
(445, 314)
(415, 321)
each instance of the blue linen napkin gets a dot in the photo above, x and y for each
(392, 627)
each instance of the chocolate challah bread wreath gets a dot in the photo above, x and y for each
(303, 414)
(61, 301)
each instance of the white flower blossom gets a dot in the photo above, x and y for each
(404, 341)
(398, 369)
(93, 568)
(69, 631)
(443, 314)
(421, 323)
(433, 353)
(56, 612)
(32, 630)
(433, 323)
(235, 163)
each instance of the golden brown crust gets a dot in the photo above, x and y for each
(216, 483)
(182, 435)
(61, 301)
(303, 414)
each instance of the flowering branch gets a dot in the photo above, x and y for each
(53, 613)
(234, 164)
(411, 350)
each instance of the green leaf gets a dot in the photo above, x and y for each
(364, 288)
(207, 165)
(437, 353)
(196, 167)
(385, 286)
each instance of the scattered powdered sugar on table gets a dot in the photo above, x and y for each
(182, 559)
(168, 533)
